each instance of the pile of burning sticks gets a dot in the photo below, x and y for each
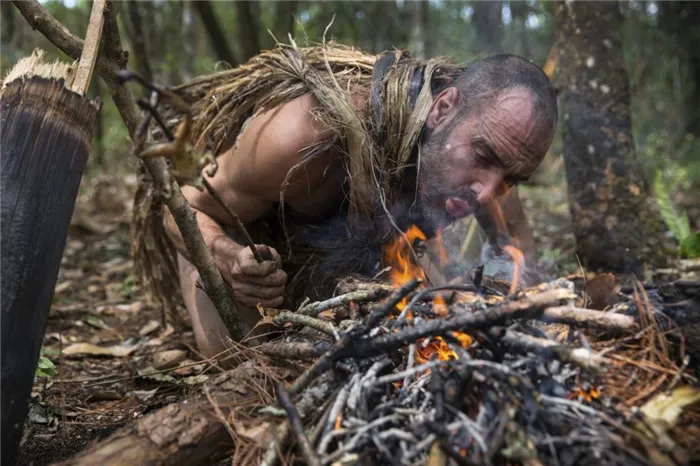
(457, 374)
(404, 373)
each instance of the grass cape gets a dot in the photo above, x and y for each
(376, 152)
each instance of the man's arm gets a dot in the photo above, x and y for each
(249, 179)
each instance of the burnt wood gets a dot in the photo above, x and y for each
(46, 136)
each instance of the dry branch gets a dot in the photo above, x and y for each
(579, 317)
(297, 427)
(582, 357)
(524, 308)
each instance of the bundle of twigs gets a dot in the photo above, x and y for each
(458, 374)
(463, 376)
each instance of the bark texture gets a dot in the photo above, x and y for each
(616, 225)
(216, 35)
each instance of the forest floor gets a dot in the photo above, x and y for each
(108, 345)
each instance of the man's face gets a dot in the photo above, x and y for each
(467, 161)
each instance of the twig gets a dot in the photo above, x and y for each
(294, 318)
(297, 426)
(580, 356)
(427, 292)
(408, 372)
(235, 221)
(323, 364)
(524, 308)
(316, 308)
(579, 317)
(300, 350)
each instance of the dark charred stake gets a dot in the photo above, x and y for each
(46, 135)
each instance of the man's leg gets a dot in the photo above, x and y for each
(210, 332)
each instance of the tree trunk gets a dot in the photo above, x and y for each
(284, 19)
(45, 144)
(420, 26)
(138, 41)
(217, 38)
(681, 20)
(189, 49)
(248, 26)
(519, 11)
(615, 224)
(488, 24)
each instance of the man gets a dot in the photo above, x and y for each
(483, 129)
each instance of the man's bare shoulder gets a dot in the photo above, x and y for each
(271, 145)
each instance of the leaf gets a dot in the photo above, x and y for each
(195, 379)
(666, 209)
(667, 409)
(690, 246)
(152, 374)
(118, 351)
(662, 413)
(45, 368)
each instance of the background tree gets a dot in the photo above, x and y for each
(615, 224)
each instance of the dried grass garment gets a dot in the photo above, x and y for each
(376, 153)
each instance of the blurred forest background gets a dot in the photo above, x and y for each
(173, 41)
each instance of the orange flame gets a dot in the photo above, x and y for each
(518, 264)
(399, 256)
(443, 256)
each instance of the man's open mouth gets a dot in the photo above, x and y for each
(457, 207)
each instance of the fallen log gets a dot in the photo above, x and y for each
(190, 432)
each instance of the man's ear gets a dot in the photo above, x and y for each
(444, 107)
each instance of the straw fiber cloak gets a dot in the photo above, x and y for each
(377, 152)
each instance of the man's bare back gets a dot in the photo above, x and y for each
(466, 167)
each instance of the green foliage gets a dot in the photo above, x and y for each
(45, 369)
(690, 246)
(677, 223)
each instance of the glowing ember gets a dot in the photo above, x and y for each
(440, 306)
(588, 395)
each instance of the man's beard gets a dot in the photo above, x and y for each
(427, 211)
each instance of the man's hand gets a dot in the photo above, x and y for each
(254, 282)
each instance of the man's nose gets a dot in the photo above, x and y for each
(487, 191)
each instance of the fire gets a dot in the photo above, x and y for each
(400, 257)
(588, 395)
(443, 256)
(518, 265)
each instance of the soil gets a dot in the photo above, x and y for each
(97, 302)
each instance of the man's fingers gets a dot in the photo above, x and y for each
(256, 291)
(249, 266)
(253, 302)
(276, 278)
